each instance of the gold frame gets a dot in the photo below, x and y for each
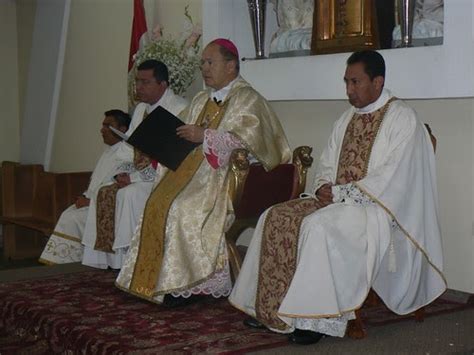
(344, 26)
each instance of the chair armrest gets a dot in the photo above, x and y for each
(239, 166)
(303, 160)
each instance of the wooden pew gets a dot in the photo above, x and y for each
(32, 202)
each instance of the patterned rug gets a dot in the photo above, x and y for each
(83, 312)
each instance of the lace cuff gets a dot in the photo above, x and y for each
(147, 174)
(218, 145)
(350, 193)
(126, 168)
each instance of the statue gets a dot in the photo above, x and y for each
(295, 22)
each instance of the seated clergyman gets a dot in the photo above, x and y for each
(64, 245)
(118, 206)
(372, 222)
(180, 248)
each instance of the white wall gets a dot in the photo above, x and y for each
(94, 80)
(25, 13)
(9, 122)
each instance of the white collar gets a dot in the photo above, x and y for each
(149, 108)
(221, 94)
(385, 95)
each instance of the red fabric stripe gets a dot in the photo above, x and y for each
(138, 29)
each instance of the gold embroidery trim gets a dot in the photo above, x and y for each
(105, 218)
(65, 236)
(414, 242)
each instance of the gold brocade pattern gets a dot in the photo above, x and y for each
(106, 198)
(357, 145)
(279, 248)
(280, 236)
(196, 221)
(150, 254)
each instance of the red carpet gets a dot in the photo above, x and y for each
(84, 312)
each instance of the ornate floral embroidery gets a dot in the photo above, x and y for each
(106, 218)
(278, 256)
(356, 146)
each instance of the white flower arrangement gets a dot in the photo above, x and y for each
(181, 56)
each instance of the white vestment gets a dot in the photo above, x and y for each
(130, 200)
(64, 245)
(381, 232)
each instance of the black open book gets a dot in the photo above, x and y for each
(156, 137)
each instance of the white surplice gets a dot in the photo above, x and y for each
(382, 232)
(130, 200)
(64, 245)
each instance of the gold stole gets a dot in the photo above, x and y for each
(282, 224)
(105, 218)
(150, 253)
(357, 145)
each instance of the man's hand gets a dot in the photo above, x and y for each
(191, 132)
(122, 179)
(324, 193)
(82, 201)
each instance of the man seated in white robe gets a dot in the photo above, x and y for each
(64, 245)
(106, 243)
(372, 222)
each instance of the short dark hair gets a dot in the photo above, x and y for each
(122, 118)
(160, 70)
(374, 64)
(229, 56)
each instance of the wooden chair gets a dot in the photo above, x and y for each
(356, 328)
(32, 202)
(253, 190)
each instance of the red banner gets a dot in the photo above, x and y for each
(139, 30)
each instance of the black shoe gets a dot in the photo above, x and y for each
(304, 337)
(172, 302)
(253, 323)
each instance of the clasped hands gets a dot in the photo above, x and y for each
(191, 132)
(122, 180)
(324, 193)
(82, 201)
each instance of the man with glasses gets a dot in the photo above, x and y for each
(180, 248)
(106, 242)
